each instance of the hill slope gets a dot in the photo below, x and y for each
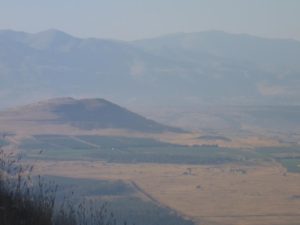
(85, 114)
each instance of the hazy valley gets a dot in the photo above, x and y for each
(188, 128)
(167, 173)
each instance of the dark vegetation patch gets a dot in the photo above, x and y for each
(214, 138)
(53, 141)
(129, 150)
(123, 142)
(28, 201)
(3, 142)
(291, 164)
(145, 150)
(273, 151)
(289, 157)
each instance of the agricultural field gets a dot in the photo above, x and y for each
(291, 164)
(288, 157)
(206, 194)
(128, 150)
(208, 185)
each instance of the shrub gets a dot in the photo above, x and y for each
(28, 201)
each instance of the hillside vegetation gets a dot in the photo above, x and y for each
(28, 201)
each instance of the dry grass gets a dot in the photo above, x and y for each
(228, 194)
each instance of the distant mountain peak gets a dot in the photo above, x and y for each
(51, 39)
(59, 100)
(54, 33)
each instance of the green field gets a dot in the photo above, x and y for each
(122, 142)
(143, 150)
(53, 142)
(3, 142)
(292, 165)
(128, 150)
(278, 151)
(288, 157)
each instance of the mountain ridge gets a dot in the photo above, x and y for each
(175, 69)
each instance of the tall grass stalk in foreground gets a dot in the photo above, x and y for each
(27, 201)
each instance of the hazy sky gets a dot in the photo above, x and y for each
(135, 19)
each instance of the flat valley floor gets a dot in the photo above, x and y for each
(229, 194)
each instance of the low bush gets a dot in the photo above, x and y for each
(31, 201)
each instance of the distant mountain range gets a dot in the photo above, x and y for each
(85, 114)
(205, 67)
